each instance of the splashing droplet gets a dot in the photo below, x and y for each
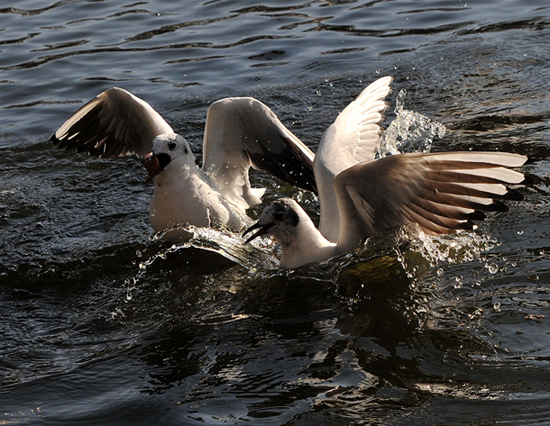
(409, 131)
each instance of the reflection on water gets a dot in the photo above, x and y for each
(103, 323)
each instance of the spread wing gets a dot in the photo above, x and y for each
(440, 192)
(243, 132)
(113, 124)
(353, 138)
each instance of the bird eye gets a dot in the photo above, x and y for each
(279, 215)
(172, 146)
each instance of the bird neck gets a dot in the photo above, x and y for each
(329, 220)
(306, 245)
(178, 173)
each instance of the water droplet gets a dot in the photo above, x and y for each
(493, 269)
(458, 282)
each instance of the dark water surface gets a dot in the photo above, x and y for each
(101, 324)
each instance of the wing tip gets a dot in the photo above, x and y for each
(514, 195)
(55, 141)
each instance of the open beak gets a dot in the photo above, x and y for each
(155, 163)
(262, 230)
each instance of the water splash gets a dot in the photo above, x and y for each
(259, 254)
(457, 248)
(409, 131)
(257, 259)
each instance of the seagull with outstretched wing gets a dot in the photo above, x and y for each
(361, 196)
(240, 133)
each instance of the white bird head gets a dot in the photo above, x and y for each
(279, 219)
(300, 241)
(168, 149)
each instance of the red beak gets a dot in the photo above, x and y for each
(155, 163)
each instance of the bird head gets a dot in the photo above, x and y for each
(167, 148)
(278, 219)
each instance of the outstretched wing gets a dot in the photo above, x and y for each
(440, 192)
(353, 138)
(113, 124)
(243, 132)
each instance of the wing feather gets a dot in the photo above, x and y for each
(113, 124)
(243, 132)
(353, 138)
(440, 192)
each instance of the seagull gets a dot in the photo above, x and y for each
(361, 196)
(240, 133)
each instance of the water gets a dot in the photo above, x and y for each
(103, 324)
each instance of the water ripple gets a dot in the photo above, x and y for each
(102, 324)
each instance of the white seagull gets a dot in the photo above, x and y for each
(239, 133)
(361, 196)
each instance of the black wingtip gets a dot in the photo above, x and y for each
(528, 180)
(498, 206)
(513, 195)
(55, 142)
(476, 215)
